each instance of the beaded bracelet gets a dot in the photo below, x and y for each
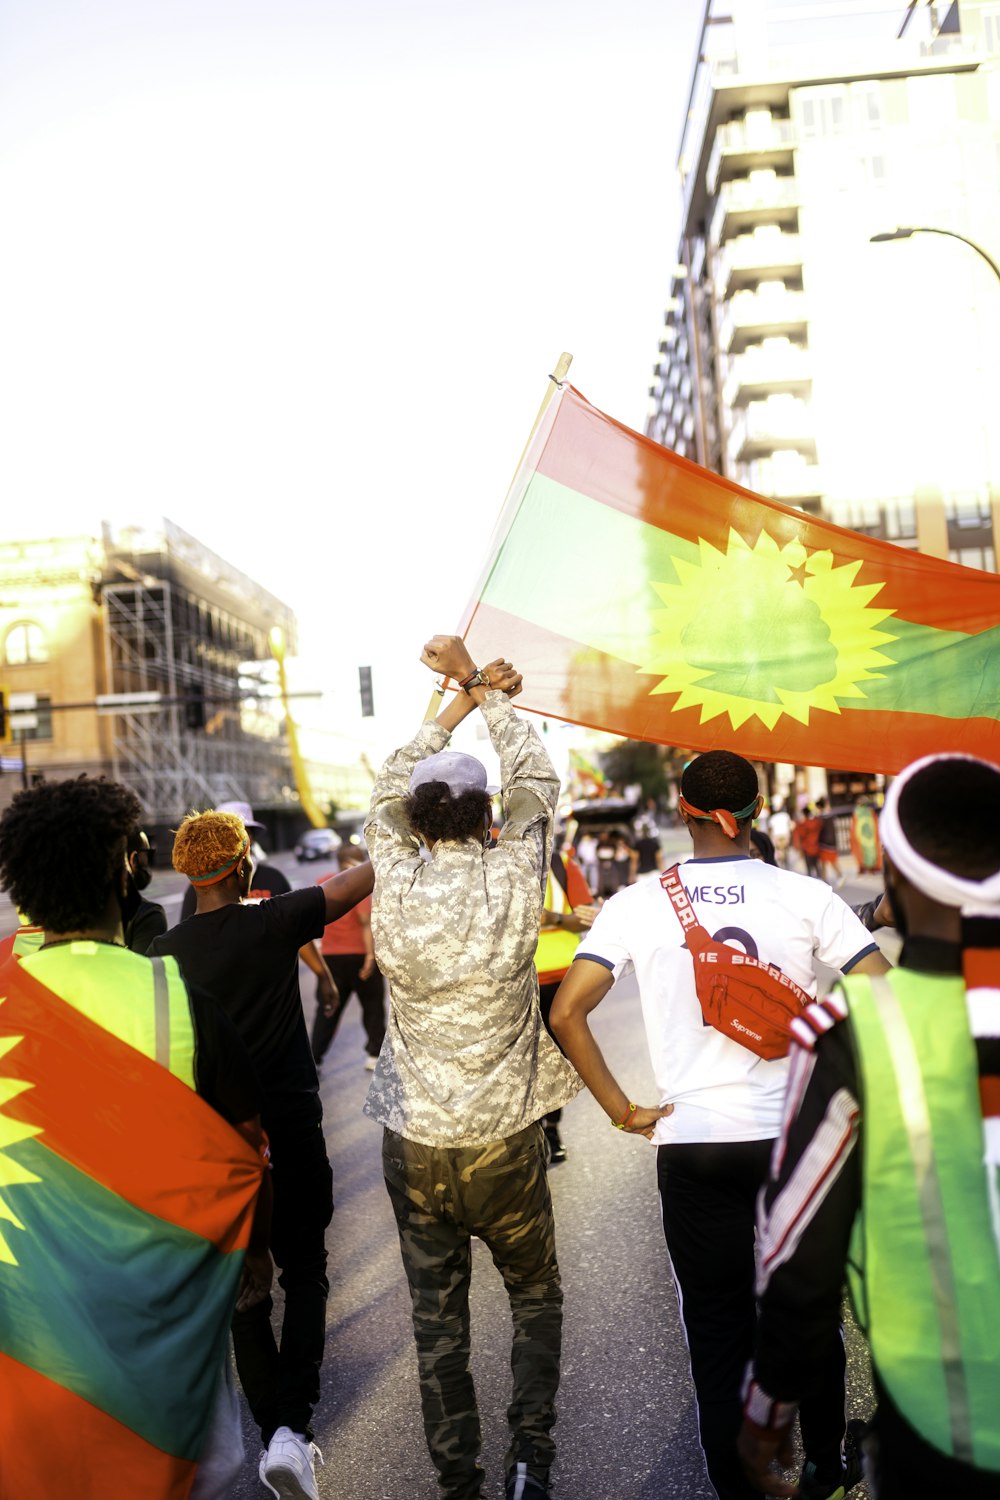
(623, 1123)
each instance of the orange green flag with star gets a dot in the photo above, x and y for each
(125, 1210)
(641, 594)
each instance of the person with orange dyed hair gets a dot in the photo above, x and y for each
(245, 956)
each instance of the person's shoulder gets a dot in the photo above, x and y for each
(305, 895)
(270, 880)
(630, 900)
(794, 886)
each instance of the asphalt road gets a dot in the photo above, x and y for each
(626, 1428)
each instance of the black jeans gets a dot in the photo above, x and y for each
(345, 970)
(282, 1384)
(708, 1194)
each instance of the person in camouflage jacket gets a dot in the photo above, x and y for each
(468, 1070)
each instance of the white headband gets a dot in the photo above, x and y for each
(976, 898)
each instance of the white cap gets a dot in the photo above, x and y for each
(460, 773)
(240, 810)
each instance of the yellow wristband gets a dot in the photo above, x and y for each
(623, 1123)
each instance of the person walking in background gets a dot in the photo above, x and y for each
(649, 857)
(132, 1164)
(805, 838)
(829, 856)
(586, 854)
(349, 954)
(606, 855)
(888, 1166)
(568, 911)
(626, 859)
(244, 955)
(720, 1103)
(779, 830)
(467, 1069)
(143, 920)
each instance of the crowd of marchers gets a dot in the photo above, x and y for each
(800, 1142)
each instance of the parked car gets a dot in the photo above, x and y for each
(317, 843)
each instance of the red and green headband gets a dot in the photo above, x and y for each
(726, 820)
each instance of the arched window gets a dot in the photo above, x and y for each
(25, 643)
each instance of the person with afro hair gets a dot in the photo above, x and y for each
(720, 1105)
(245, 956)
(80, 1001)
(467, 1070)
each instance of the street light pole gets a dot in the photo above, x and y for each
(907, 233)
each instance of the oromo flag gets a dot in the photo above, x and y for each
(641, 594)
(125, 1208)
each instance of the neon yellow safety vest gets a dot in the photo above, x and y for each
(141, 1001)
(925, 1270)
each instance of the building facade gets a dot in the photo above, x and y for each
(855, 380)
(136, 654)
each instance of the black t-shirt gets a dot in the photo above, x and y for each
(246, 958)
(268, 881)
(144, 922)
(224, 1076)
(648, 849)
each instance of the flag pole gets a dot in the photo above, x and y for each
(554, 382)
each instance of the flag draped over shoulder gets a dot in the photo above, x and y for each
(125, 1208)
(641, 594)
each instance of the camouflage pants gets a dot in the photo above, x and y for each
(442, 1197)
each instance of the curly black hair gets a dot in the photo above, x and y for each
(719, 778)
(435, 814)
(62, 845)
(950, 812)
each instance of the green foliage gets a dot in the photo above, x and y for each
(638, 761)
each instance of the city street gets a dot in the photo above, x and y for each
(627, 1426)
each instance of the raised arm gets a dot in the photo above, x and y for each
(346, 889)
(387, 830)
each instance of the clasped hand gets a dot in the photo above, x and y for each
(449, 655)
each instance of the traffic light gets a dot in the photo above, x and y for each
(367, 700)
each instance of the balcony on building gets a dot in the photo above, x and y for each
(759, 140)
(766, 253)
(763, 197)
(772, 311)
(786, 476)
(774, 366)
(766, 427)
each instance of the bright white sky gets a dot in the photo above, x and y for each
(293, 274)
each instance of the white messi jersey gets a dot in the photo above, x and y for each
(720, 1091)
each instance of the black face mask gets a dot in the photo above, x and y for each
(141, 876)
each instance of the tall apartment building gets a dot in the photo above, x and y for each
(172, 631)
(854, 380)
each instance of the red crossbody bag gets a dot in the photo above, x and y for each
(750, 1002)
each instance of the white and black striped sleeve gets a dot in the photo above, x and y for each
(808, 1205)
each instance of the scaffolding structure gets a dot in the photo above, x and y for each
(180, 621)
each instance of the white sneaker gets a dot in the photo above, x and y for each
(287, 1468)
